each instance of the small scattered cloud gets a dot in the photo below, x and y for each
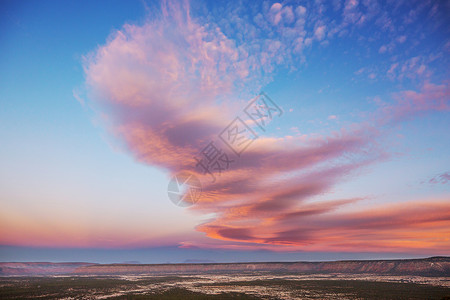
(76, 94)
(443, 178)
(409, 103)
(414, 68)
(382, 49)
(401, 39)
(300, 11)
(319, 33)
(390, 72)
(359, 71)
(351, 12)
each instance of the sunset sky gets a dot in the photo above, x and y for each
(103, 102)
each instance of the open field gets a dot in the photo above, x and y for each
(223, 286)
(427, 278)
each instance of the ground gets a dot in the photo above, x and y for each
(226, 286)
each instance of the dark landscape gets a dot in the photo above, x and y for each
(377, 279)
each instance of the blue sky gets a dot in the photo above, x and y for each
(91, 119)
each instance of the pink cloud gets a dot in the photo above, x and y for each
(441, 178)
(411, 103)
(300, 11)
(160, 84)
(319, 33)
(414, 227)
(351, 12)
(163, 86)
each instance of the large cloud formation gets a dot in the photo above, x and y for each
(171, 85)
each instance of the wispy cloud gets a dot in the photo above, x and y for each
(413, 227)
(409, 103)
(443, 178)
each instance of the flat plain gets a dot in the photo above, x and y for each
(225, 286)
(427, 278)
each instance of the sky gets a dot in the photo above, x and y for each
(317, 130)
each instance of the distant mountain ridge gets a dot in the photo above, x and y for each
(433, 266)
(39, 268)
